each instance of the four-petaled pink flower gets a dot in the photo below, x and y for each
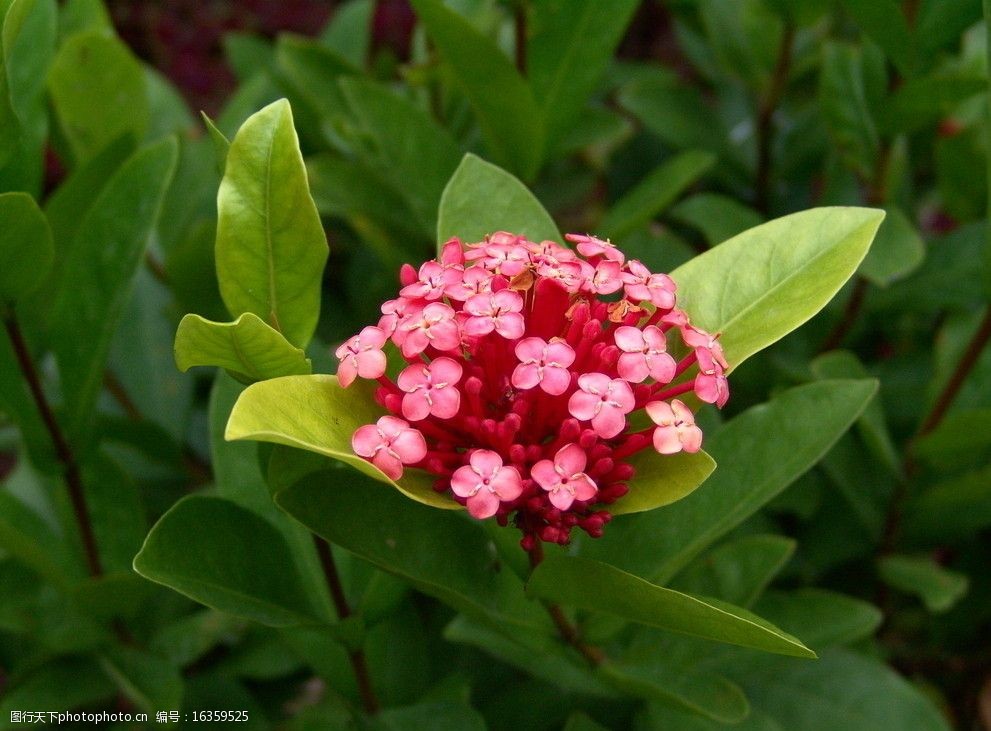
(643, 286)
(362, 356)
(434, 325)
(434, 279)
(544, 364)
(430, 389)
(603, 401)
(390, 443)
(607, 278)
(564, 477)
(697, 338)
(499, 311)
(644, 354)
(486, 483)
(594, 246)
(710, 383)
(676, 430)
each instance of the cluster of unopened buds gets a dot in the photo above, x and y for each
(523, 365)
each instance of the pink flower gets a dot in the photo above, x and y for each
(430, 389)
(607, 278)
(676, 430)
(696, 338)
(564, 477)
(592, 246)
(642, 286)
(505, 259)
(433, 280)
(390, 443)
(433, 326)
(486, 483)
(499, 311)
(604, 401)
(644, 354)
(544, 364)
(474, 280)
(362, 356)
(710, 383)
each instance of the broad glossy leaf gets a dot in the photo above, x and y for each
(271, 247)
(717, 216)
(760, 452)
(599, 587)
(90, 66)
(316, 414)
(737, 571)
(503, 102)
(662, 479)
(654, 193)
(569, 46)
(404, 144)
(351, 510)
(227, 558)
(481, 199)
(105, 254)
(824, 618)
(246, 346)
(884, 23)
(897, 251)
(26, 248)
(759, 286)
(938, 587)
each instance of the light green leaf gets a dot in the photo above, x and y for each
(271, 247)
(759, 286)
(569, 46)
(503, 102)
(316, 414)
(662, 479)
(94, 66)
(26, 248)
(586, 584)
(898, 250)
(823, 617)
(938, 587)
(760, 452)
(717, 216)
(221, 145)
(351, 510)
(101, 264)
(247, 347)
(228, 558)
(481, 199)
(655, 192)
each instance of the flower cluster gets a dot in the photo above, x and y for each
(523, 363)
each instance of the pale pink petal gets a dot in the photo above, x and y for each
(415, 406)
(666, 440)
(478, 326)
(388, 463)
(446, 400)
(561, 498)
(410, 446)
(371, 363)
(707, 388)
(365, 440)
(661, 367)
(583, 405)
(682, 413)
(691, 438)
(609, 422)
(445, 370)
(654, 339)
(661, 413)
(545, 475)
(596, 383)
(630, 339)
(510, 326)
(483, 504)
(622, 395)
(558, 353)
(372, 337)
(507, 300)
(464, 481)
(506, 483)
(530, 350)
(526, 376)
(414, 375)
(555, 381)
(570, 460)
(485, 462)
(347, 371)
(392, 426)
(445, 335)
(633, 367)
(583, 487)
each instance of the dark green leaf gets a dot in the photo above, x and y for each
(26, 248)
(823, 617)
(844, 103)
(271, 247)
(938, 587)
(884, 22)
(717, 216)
(349, 31)
(60, 685)
(922, 101)
(148, 681)
(952, 510)
(897, 251)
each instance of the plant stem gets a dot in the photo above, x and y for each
(765, 120)
(850, 314)
(63, 451)
(358, 662)
(569, 633)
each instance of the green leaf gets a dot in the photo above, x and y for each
(28, 538)
(351, 510)
(586, 584)
(247, 347)
(938, 587)
(663, 479)
(404, 144)
(885, 24)
(29, 36)
(675, 112)
(823, 617)
(271, 247)
(221, 145)
(60, 685)
(759, 286)
(101, 264)
(570, 43)
(503, 102)
(952, 510)
(738, 571)
(898, 250)
(93, 66)
(655, 193)
(961, 434)
(662, 718)
(717, 216)
(227, 558)
(148, 681)
(116, 512)
(26, 248)
(435, 715)
(845, 107)
(349, 31)
(923, 101)
(760, 452)
(316, 414)
(481, 199)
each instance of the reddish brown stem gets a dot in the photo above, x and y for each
(70, 467)
(357, 657)
(520, 23)
(850, 314)
(765, 120)
(569, 633)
